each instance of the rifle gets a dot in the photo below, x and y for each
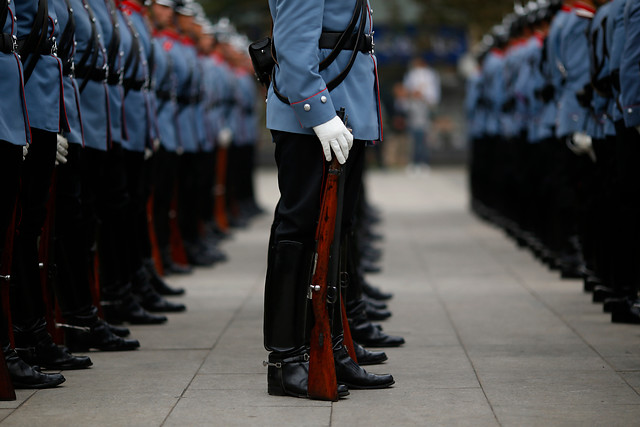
(322, 382)
(220, 190)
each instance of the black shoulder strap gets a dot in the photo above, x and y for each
(134, 56)
(92, 49)
(65, 46)
(344, 37)
(114, 44)
(340, 77)
(30, 49)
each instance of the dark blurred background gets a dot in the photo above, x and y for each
(440, 31)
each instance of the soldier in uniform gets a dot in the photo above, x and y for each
(74, 214)
(301, 113)
(45, 103)
(14, 137)
(628, 311)
(139, 138)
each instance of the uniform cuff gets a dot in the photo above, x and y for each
(315, 110)
(631, 115)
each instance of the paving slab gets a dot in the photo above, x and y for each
(493, 338)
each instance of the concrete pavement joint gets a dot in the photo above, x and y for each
(236, 312)
(436, 292)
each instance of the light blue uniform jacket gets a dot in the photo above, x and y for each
(296, 32)
(137, 110)
(44, 90)
(165, 108)
(14, 121)
(599, 63)
(71, 94)
(573, 64)
(630, 66)
(187, 77)
(102, 10)
(616, 30)
(246, 131)
(94, 98)
(554, 76)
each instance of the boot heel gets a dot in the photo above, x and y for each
(274, 382)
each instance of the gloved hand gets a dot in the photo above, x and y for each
(334, 135)
(581, 143)
(225, 136)
(62, 150)
(25, 151)
(638, 129)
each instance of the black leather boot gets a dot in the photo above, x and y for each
(171, 267)
(288, 375)
(374, 313)
(366, 357)
(24, 375)
(366, 333)
(157, 282)
(127, 309)
(353, 376)
(87, 331)
(120, 331)
(374, 292)
(36, 347)
(150, 299)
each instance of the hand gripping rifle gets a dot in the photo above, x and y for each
(322, 374)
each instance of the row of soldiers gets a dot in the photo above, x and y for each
(554, 116)
(115, 116)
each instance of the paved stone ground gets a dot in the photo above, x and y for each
(493, 338)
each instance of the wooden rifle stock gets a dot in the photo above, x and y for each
(323, 384)
(220, 190)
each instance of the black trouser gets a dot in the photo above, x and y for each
(27, 303)
(164, 182)
(206, 167)
(136, 225)
(605, 202)
(188, 196)
(10, 166)
(105, 186)
(627, 227)
(74, 233)
(301, 169)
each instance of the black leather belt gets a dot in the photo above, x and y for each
(164, 95)
(97, 74)
(8, 43)
(188, 100)
(114, 78)
(49, 47)
(133, 84)
(329, 40)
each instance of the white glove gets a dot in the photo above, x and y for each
(334, 135)
(581, 143)
(224, 137)
(25, 151)
(62, 148)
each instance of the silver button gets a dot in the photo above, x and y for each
(630, 110)
(307, 107)
(323, 99)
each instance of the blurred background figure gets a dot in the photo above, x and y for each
(422, 95)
